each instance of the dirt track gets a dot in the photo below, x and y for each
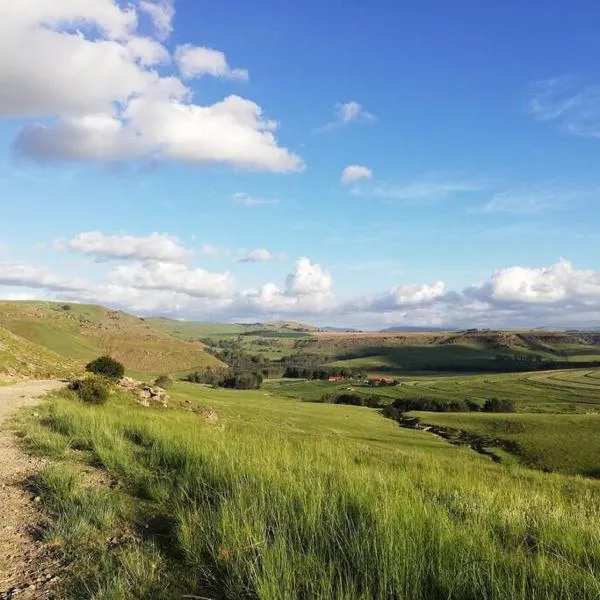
(23, 573)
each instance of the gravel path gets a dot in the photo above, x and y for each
(23, 570)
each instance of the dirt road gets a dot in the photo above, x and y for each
(23, 573)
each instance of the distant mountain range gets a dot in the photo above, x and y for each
(409, 329)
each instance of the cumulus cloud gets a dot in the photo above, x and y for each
(156, 246)
(409, 295)
(308, 278)
(172, 277)
(517, 296)
(197, 61)
(258, 255)
(250, 201)
(346, 113)
(21, 274)
(354, 173)
(106, 101)
(558, 284)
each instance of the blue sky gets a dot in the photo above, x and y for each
(367, 164)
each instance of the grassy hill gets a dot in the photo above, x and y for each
(82, 332)
(476, 350)
(197, 330)
(20, 357)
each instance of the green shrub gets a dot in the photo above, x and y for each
(107, 367)
(498, 405)
(164, 382)
(91, 390)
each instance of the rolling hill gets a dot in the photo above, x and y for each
(77, 333)
(21, 358)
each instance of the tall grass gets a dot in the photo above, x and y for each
(254, 513)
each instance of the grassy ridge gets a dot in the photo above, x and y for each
(289, 500)
(82, 332)
(20, 357)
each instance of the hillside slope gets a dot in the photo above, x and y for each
(197, 330)
(20, 358)
(82, 332)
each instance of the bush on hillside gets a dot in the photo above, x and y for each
(353, 400)
(227, 378)
(208, 376)
(107, 367)
(498, 405)
(91, 390)
(242, 381)
(164, 382)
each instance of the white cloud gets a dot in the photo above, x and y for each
(353, 112)
(231, 131)
(22, 274)
(161, 12)
(308, 278)
(426, 189)
(156, 246)
(345, 113)
(355, 173)
(197, 61)
(562, 99)
(259, 255)
(537, 199)
(517, 296)
(558, 284)
(105, 101)
(148, 52)
(250, 201)
(172, 277)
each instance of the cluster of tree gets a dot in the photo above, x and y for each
(242, 381)
(227, 378)
(322, 372)
(353, 399)
(403, 405)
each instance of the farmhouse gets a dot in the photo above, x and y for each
(335, 378)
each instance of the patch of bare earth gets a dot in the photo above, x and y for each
(26, 570)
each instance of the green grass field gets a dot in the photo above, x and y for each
(554, 442)
(563, 391)
(556, 426)
(283, 499)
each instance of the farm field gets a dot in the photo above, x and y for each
(280, 498)
(561, 391)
